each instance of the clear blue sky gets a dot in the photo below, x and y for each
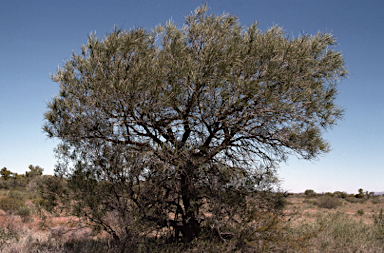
(37, 36)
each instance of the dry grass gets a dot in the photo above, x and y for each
(348, 227)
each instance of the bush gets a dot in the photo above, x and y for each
(354, 200)
(376, 199)
(16, 195)
(360, 212)
(25, 213)
(339, 194)
(11, 205)
(328, 202)
(5, 184)
(309, 193)
(5, 237)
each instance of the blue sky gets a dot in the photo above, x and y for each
(37, 36)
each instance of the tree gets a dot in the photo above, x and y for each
(5, 173)
(179, 127)
(34, 171)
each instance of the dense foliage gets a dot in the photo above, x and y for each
(177, 131)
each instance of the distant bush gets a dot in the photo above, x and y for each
(327, 202)
(339, 194)
(310, 201)
(376, 200)
(11, 205)
(360, 212)
(354, 200)
(309, 193)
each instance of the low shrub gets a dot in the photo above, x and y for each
(327, 202)
(25, 213)
(310, 201)
(5, 237)
(16, 195)
(337, 232)
(377, 200)
(339, 194)
(355, 200)
(5, 184)
(11, 205)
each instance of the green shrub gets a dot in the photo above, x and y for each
(11, 205)
(309, 193)
(328, 202)
(360, 212)
(25, 213)
(16, 195)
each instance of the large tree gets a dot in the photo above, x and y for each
(175, 127)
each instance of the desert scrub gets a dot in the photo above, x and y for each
(337, 232)
(377, 199)
(5, 237)
(25, 213)
(327, 202)
(16, 195)
(11, 205)
(355, 200)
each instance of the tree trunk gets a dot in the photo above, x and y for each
(191, 226)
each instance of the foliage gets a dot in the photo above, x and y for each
(52, 189)
(339, 194)
(11, 180)
(354, 200)
(309, 193)
(25, 213)
(34, 171)
(5, 237)
(339, 233)
(179, 129)
(327, 202)
(5, 173)
(16, 195)
(379, 222)
(11, 205)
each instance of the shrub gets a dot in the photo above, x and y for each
(376, 199)
(328, 202)
(5, 184)
(25, 213)
(339, 194)
(5, 236)
(354, 200)
(360, 212)
(309, 193)
(11, 205)
(16, 195)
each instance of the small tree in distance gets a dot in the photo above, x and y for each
(181, 128)
(34, 171)
(5, 173)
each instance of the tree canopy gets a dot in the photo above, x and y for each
(175, 127)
